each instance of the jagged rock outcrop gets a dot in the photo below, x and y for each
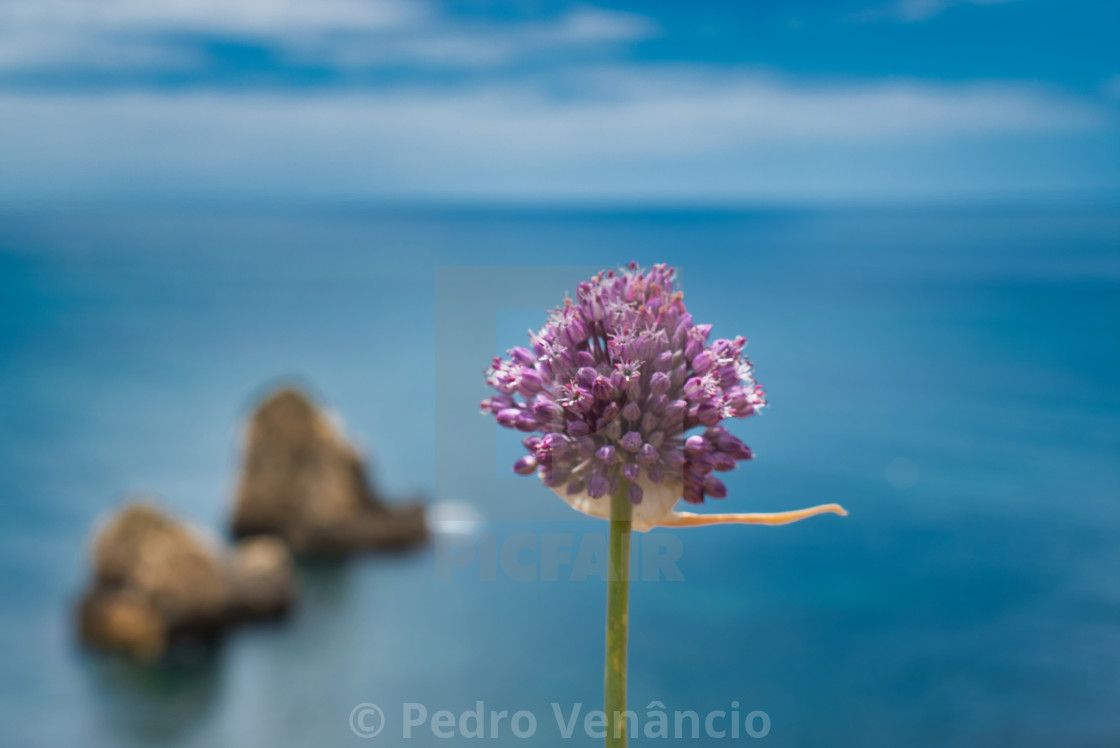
(157, 581)
(302, 482)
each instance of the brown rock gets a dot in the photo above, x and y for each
(156, 580)
(122, 621)
(261, 573)
(165, 563)
(302, 482)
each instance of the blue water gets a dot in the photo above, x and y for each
(949, 376)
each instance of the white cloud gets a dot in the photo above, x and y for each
(910, 11)
(122, 34)
(265, 17)
(636, 130)
(482, 45)
(119, 34)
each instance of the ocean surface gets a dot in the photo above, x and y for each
(950, 376)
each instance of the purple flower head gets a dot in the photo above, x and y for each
(622, 374)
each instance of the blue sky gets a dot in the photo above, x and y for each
(704, 101)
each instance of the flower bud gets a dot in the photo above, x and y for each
(697, 444)
(634, 493)
(558, 443)
(674, 411)
(722, 461)
(692, 347)
(522, 356)
(498, 403)
(714, 487)
(585, 445)
(578, 428)
(733, 446)
(526, 422)
(586, 376)
(692, 494)
(692, 388)
(546, 410)
(597, 486)
(702, 462)
(708, 414)
(602, 388)
(530, 382)
(648, 455)
(678, 375)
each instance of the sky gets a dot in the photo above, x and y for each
(709, 101)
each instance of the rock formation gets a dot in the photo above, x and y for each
(302, 482)
(156, 581)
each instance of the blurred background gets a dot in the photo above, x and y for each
(909, 207)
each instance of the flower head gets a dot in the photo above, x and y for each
(611, 388)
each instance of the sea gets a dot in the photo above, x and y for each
(948, 374)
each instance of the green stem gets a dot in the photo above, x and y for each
(618, 604)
